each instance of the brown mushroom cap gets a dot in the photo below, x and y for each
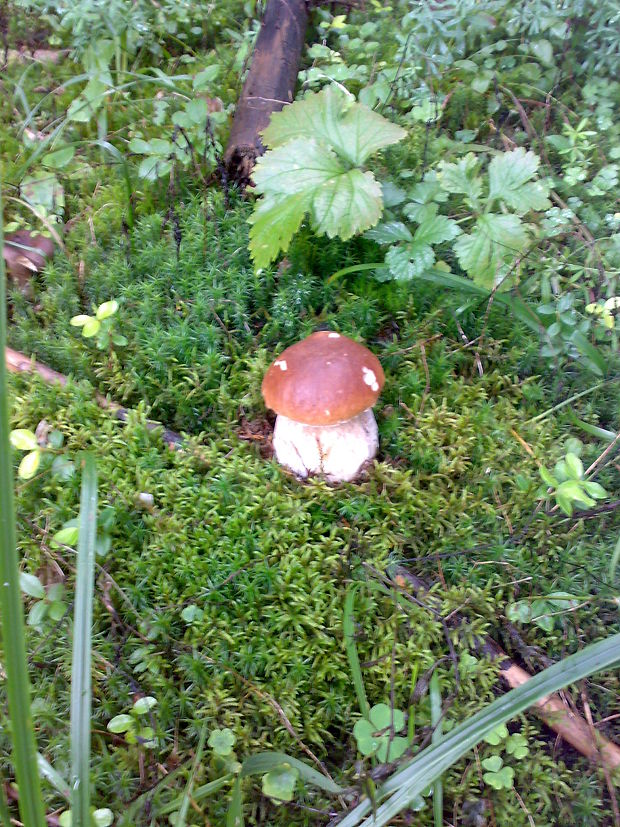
(323, 380)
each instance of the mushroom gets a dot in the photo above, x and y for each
(323, 389)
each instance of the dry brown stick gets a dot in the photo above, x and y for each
(17, 362)
(270, 83)
(551, 709)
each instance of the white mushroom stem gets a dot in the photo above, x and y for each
(337, 451)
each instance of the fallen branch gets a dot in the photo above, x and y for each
(270, 83)
(552, 709)
(17, 362)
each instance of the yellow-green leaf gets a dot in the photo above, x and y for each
(24, 440)
(28, 466)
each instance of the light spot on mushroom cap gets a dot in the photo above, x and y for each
(281, 363)
(369, 378)
(333, 335)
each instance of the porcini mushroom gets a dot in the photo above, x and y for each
(323, 389)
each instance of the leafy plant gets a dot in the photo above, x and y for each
(130, 724)
(101, 325)
(432, 762)
(23, 439)
(568, 484)
(48, 604)
(543, 611)
(499, 775)
(375, 735)
(314, 166)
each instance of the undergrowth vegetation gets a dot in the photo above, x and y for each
(488, 290)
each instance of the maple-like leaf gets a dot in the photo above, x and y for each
(510, 181)
(333, 118)
(462, 177)
(493, 240)
(302, 177)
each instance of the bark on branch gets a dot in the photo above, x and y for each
(270, 83)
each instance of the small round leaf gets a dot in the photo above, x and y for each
(31, 585)
(29, 465)
(107, 309)
(24, 440)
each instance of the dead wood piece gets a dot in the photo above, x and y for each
(551, 709)
(20, 363)
(270, 83)
(25, 254)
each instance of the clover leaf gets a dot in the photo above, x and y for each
(375, 736)
(279, 784)
(222, 741)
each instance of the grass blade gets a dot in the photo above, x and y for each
(433, 761)
(82, 637)
(436, 720)
(266, 761)
(11, 612)
(348, 625)
(614, 561)
(180, 821)
(234, 817)
(5, 816)
(55, 778)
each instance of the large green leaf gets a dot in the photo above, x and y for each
(331, 117)
(301, 177)
(432, 762)
(510, 181)
(408, 261)
(274, 223)
(493, 240)
(462, 178)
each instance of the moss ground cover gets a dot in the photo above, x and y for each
(222, 591)
(266, 560)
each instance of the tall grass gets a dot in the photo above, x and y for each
(31, 808)
(81, 686)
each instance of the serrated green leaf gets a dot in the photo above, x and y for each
(23, 439)
(493, 239)
(347, 205)
(31, 585)
(408, 261)
(462, 177)
(301, 177)
(388, 232)
(274, 223)
(435, 230)
(301, 166)
(509, 181)
(353, 130)
(29, 465)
